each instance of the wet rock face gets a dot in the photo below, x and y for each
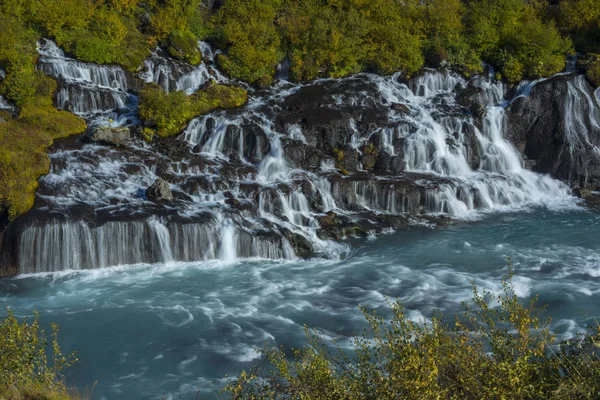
(160, 191)
(329, 113)
(556, 127)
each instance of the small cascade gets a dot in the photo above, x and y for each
(73, 245)
(448, 147)
(86, 88)
(227, 250)
(173, 75)
(582, 111)
(5, 105)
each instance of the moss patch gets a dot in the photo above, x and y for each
(593, 72)
(183, 45)
(23, 145)
(169, 113)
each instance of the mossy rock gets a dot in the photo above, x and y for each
(170, 112)
(23, 145)
(593, 72)
(183, 45)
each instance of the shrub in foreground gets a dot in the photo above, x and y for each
(25, 370)
(497, 349)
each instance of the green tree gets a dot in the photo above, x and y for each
(248, 28)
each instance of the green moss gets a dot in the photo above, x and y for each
(593, 72)
(23, 145)
(183, 45)
(170, 113)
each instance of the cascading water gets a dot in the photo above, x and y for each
(86, 89)
(265, 180)
(172, 75)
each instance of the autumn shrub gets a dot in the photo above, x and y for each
(183, 45)
(28, 369)
(499, 348)
(510, 35)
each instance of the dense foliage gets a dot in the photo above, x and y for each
(521, 38)
(25, 371)
(499, 349)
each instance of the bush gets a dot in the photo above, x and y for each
(183, 45)
(581, 20)
(498, 349)
(510, 35)
(593, 72)
(25, 369)
(248, 27)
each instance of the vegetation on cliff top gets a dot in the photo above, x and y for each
(497, 349)
(321, 38)
(521, 38)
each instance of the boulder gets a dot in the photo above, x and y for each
(401, 108)
(160, 191)
(369, 154)
(396, 165)
(302, 155)
(112, 136)
(346, 159)
(472, 98)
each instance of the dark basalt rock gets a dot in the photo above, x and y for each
(327, 112)
(160, 191)
(302, 155)
(472, 98)
(538, 125)
(369, 156)
(301, 245)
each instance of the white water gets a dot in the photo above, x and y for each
(172, 75)
(88, 87)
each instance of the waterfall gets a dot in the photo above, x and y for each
(581, 111)
(86, 88)
(499, 181)
(173, 75)
(267, 180)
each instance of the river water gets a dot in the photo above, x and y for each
(169, 330)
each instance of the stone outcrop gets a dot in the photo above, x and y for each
(112, 136)
(556, 126)
(160, 191)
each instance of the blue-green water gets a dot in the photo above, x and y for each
(167, 331)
